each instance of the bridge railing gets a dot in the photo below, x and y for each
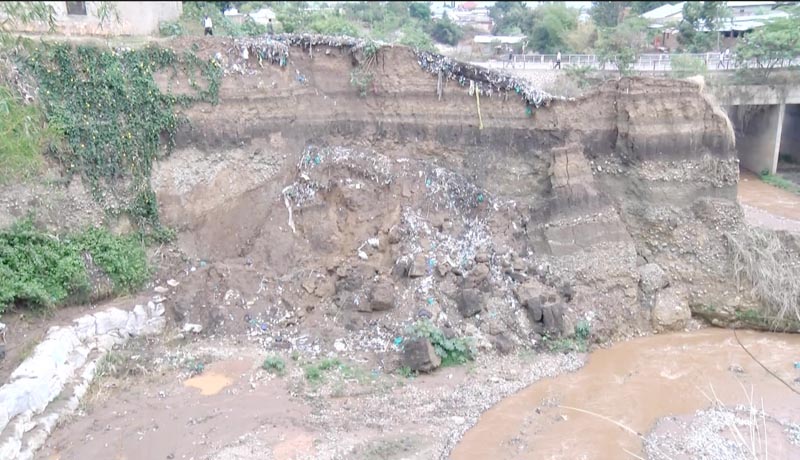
(645, 62)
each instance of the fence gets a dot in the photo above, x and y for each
(645, 62)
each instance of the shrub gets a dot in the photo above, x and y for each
(274, 365)
(170, 28)
(41, 270)
(453, 351)
(23, 136)
(314, 372)
(686, 66)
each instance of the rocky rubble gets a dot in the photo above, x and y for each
(50, 384)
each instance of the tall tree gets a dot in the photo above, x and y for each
(776, 41)
(552, 23)
(622, 44)
(511, 18)
(697, 31)
(608, 14)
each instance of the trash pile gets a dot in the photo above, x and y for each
(482, 80)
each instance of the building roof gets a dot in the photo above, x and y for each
(664, 11)
(505, 39)
(745, 4)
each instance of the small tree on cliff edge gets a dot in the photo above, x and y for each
(622, 44)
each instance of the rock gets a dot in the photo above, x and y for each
(423, 313)
(420, 355)
(534, 306)
(394, 235)
(553, 318)
(110, 320)
(479, 273)
(482, 257)
(339, 345)
(2, 351)
(419, 266)
(671, 311)
(173, 283)
(457, 420)
(191, 327)
(502, 344)
(469, 302)
(161, 289)
(382, 297)
(652, 278)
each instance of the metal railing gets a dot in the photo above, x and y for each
(645, 62)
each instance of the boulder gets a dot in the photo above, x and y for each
(535, 308)
(671, 311)
(502, 344)
(553, 318)
(652, 278)
(469, 302)
(382, 297)
(419, 267)
(420, 356)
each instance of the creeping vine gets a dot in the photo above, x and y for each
(115, 119)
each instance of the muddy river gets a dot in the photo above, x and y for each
(635, 383)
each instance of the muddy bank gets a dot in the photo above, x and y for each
(636, 383)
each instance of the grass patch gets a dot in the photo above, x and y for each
(315, 372)
(39, 270)
(780, 182)
(453, 351)
(579, 342)
(23, 137)
(274, 365)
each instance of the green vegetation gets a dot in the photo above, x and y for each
(687, 66)
(698, 19)
(780, 182)
(447, 32)
(579, 342)
(453, 351)
(23, 137)
(777, 41)
(622, 44)
(315, 372)
(114, 117)
(274, 365)
(40, 270)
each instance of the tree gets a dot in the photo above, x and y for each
(511, 18)
(621, 45)
(447, 32)
(608, 14)
(582, 38)
(697, 30)
(551, 24)
(776, 41)
(420, 10)
(23, 13)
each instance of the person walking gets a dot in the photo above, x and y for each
(208, 25)
(558, 61)
(270, 30)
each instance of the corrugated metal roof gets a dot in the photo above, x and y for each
(664, 11)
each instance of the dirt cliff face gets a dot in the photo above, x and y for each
(310, 207)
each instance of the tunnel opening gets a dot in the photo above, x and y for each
(788, 165)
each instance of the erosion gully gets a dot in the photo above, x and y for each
(635, 383)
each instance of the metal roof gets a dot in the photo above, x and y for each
(664, 11)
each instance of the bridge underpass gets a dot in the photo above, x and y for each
(766, 121)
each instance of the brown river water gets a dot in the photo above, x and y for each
(635, 383)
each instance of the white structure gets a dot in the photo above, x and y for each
(86, 18)
(263, 16)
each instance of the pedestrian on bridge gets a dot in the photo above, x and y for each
(558, 61)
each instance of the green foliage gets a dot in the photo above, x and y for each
(274, 365)
(776, 41)
(780, 182)
(552, 24)
(114, 116)
(23, 136)
(23, 13)
(315, 372)
(579, 342)
(405, 372)
(361, 79)
(170, 29)
(511, 18)
(42, 270)
(420, 10)
(333, 25)
(608, 14)
(696, 31)
(622, 44)
(579, 74)
(453, 351)
(447, 32)
(582, 330)
(582, 39)
(415, 37)
(687, 66)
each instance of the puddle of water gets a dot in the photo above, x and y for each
(209, 383)
(634, 383)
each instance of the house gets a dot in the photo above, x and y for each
(263, 16)
(744, 17)
(106, 18)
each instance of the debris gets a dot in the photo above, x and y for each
(191, 327)
(173, 283)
